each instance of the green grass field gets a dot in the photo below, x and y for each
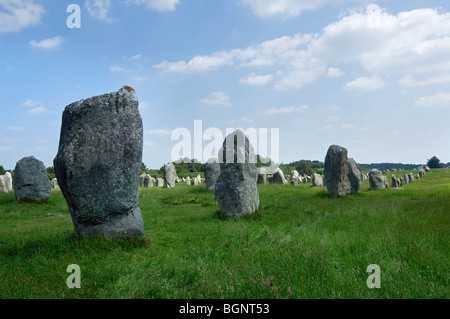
(300, 244)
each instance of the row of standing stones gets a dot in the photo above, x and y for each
(98, 162)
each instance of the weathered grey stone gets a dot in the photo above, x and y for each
(188, 181)
(141, 180)
(5, 183)
(411, 177)
(377, 180)
(278, 177)
(262, 175)
(212, 171)
(317, 180)
(170, 174)
(406, 177)
(31, 181)
(54, 183)
(159, 182)
(421, 172)
(336, 171)
(294, 177)
(395, 182)
(426, 168)
(354, 176)
(236, 189)
(98, 164)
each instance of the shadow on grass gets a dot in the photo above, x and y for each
(69, 242)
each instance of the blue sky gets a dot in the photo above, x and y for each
(370, 76)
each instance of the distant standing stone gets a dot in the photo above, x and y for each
(170, 175)
(395, 182)
(278, 177)
(236, 190)
(354, 176)
(377, 180)
(336, 171)
(5, 183)
(212, 171)
(98, 164)
(317, 180)
(159, 182)
(31, 181)
(55, 183)
(262, 175)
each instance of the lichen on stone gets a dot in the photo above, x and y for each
(129, 88)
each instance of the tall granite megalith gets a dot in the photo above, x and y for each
(236, 186)
(336, 171)
(98, 164)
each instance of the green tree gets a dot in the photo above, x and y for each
(51, 173)
(434, 162)
(144, 168)
(304, 167)
(2, 170)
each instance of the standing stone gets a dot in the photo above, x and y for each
(159, 182)
(147, 181)
(317, 180)
(278, 177)
(294, 177)
(262, 175)
(421, 172)
(395, 182)
(236, 189)
(376, 179)
(212, 171)
(411, 177)
(188, 181)
(141, 180)
(54, 183)
(170, 174)
(426, 168)
(5, 183)
(407, 181)
(336, 171)
(354, 176)
(31, 181)
(98, 164)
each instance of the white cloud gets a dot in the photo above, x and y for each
(286, 109)
(411, 43)
(31, 103)
(38, 110)
(347, 126)
(48, 44)
(158, 5)
(144, 105)
(149, 143)
(334, 73)
(287, 8)
(18, 14)
(414, 41)
(256, 80)
(441, 99)
(5, 148)
(99, 9)
(136, 57)
(334, 108)
(365, 83)
(217, 98)
(410, 81)
(119, 69)
(332, 118)
(15, 128)
(160, 132)
(246, 120)
(41, 148)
